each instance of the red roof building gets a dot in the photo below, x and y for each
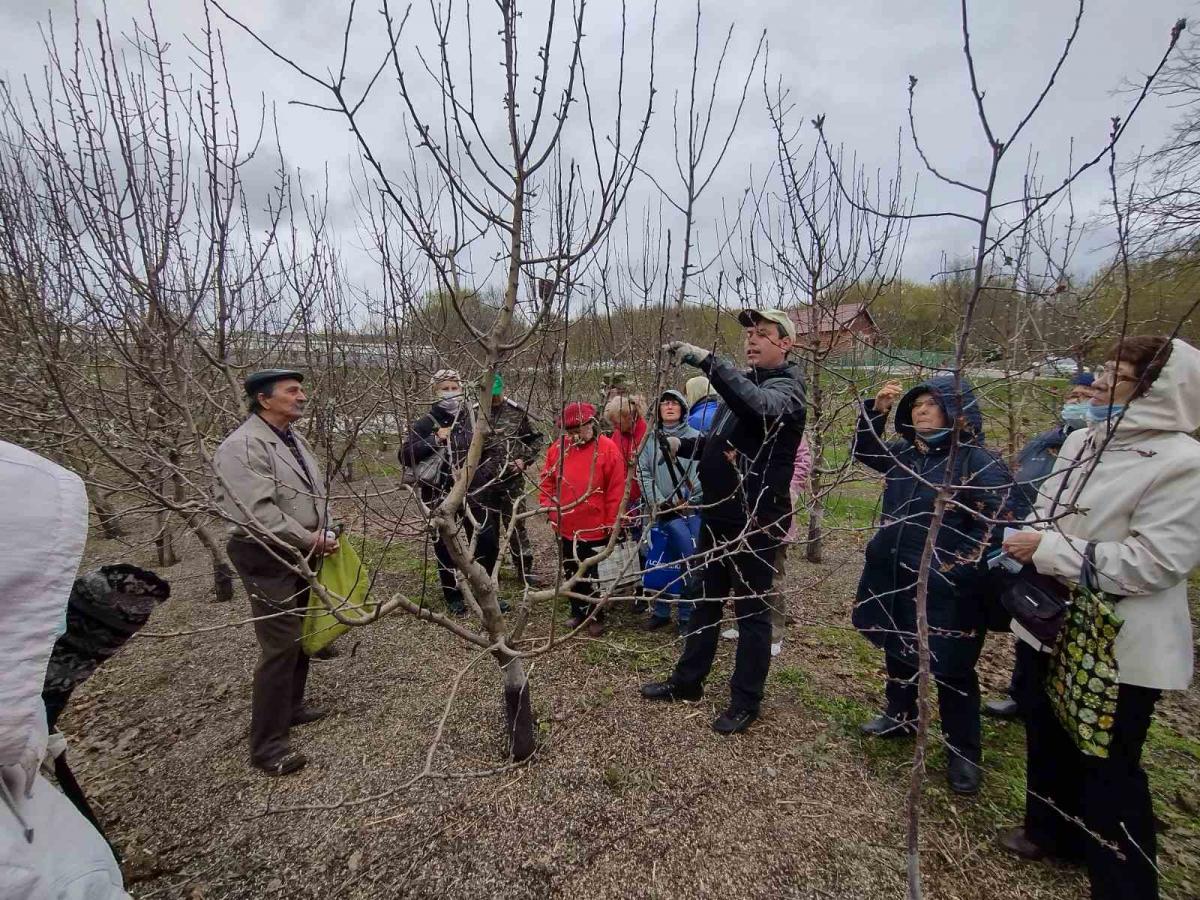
(836, 329)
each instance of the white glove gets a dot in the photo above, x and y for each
(686, 353)
(673, 443)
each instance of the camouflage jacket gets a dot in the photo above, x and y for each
(510, 437)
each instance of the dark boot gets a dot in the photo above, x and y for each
(964, 776)
(1002, 709)
(734, 720)
(669, 690)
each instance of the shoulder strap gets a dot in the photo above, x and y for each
(1088, 576)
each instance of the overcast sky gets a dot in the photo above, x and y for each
(849, 60)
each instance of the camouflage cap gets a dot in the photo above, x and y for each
(614, 378)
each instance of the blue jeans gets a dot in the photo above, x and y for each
(676, 539)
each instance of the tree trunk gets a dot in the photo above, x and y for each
(106, 518)
(816, 526)
(518, 712)
(163, 543)
(223, 572)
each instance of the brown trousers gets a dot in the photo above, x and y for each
(282, 669)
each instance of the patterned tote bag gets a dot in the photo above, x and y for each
(1082, 682)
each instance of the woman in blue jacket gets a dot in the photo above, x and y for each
(670, 493)
(885, 609)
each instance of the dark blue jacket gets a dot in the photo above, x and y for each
(1036, 461)
(885, 608)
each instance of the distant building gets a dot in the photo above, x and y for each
(835, 329)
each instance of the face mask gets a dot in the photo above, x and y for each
(935, 438)
(1075, 414)
(1096, 414)
(450, 394)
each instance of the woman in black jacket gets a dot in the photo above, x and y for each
(432, 440)
(885, 609)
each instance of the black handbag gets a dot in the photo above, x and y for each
(1037, 601)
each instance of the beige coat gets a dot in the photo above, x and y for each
(1141, 505)
(258, 469)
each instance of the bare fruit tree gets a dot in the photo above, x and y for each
(997, 222)
(510, 181)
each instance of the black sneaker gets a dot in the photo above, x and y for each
(734, 720)
(669, 690)
(1002, 709)
(307, 713)
(964, 776)
(285, 764)
(654, 623)
(884, 726)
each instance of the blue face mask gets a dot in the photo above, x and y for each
(1075, 414)
(1097, 414)
(935, 438)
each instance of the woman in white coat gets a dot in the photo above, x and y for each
(48, 850)
(1130, 483)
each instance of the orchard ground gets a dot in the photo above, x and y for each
(623, 799)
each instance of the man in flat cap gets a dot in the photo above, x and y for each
(271, 490)
(745, 468)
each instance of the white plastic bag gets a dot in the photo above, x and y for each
(620, 568)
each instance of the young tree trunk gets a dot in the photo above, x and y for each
(106, 517)
(164, 543)
(816, 520)
(816, 506)
(223, 572)
(518, 711)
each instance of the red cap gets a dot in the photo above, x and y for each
(575, 414)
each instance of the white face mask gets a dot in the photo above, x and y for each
(449, 393)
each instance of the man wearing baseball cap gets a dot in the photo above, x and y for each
(271, 491)
(745, 469)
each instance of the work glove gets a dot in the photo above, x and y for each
(673, 442)
(683, 352)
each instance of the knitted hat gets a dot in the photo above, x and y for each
(576, 414)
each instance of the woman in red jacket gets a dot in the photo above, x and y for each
(626, 413)
(582, 484)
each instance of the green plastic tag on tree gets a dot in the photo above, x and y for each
(498, 385)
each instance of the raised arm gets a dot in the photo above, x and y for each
(748, 400)
(867, 445)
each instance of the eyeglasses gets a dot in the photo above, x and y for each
(1110, 375)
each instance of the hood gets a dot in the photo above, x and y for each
(942, 387)
(1172, 402)
(697, 389)
(672, 394)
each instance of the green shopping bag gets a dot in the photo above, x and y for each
(343, 575)
(1083, 680)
